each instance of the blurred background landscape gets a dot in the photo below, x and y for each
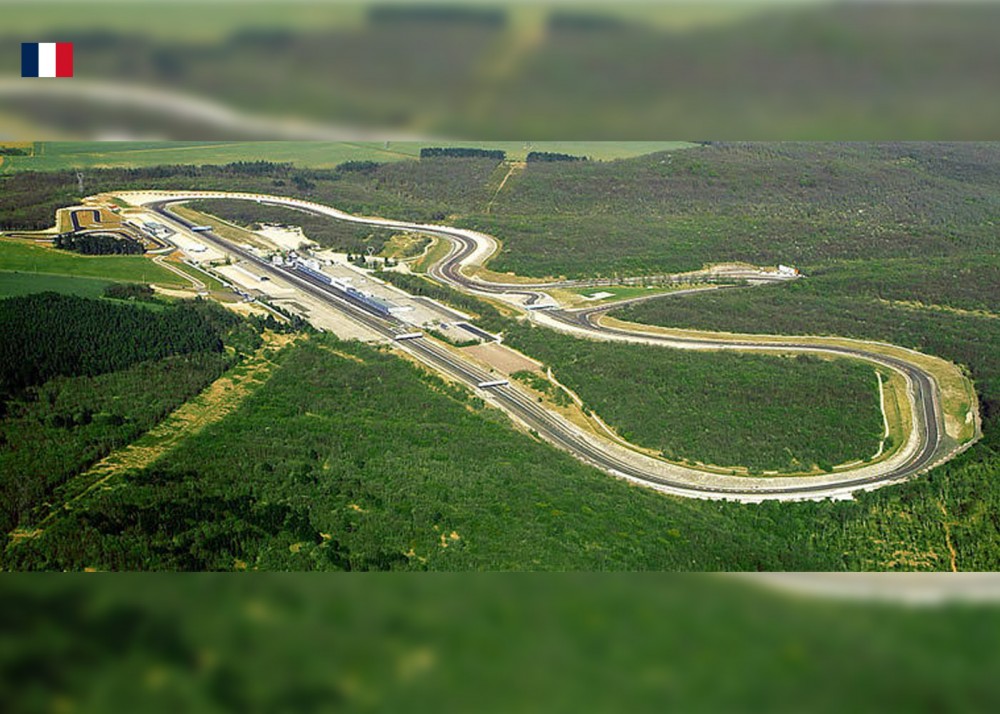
(724, 69)
(483, 643)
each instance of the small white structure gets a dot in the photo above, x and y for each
(493, 383)
(787, 270)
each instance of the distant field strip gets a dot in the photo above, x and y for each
(305, 154)
(13, 283)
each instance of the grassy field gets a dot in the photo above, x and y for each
(725, 409)
(580, 297)
(54, 155)
(29, 258)
(210, 282)
(15, 283)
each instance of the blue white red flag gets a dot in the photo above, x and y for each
(46, 59)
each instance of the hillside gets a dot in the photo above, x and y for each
(897, 243)
(349, 458)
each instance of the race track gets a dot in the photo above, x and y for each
(926, 446)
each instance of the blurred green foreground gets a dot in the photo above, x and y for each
(480, 643)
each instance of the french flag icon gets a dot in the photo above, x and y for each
(46, 59)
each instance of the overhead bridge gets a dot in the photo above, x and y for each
(481, 334)
(408, 336)
(493, 383)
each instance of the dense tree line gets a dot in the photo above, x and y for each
(99, 244)
(357, 166)
(48, 334)
(540, 156)
(443, 15)
(13, 151)
(456, 152)
(129, 291)
(80, 377)
(294, 322)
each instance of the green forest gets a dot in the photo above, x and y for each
(789, 203)
(360, 644)
(82, 377)
(812, 307)
(348, 458)
(47, 334)
(459, 152)
(854, 217)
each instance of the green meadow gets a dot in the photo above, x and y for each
(25, 258)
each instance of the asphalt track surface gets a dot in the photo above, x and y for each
(76, 221)
(931, 449)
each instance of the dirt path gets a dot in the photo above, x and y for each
(163, 262)
(220, 398)
(515, 166)
(885, 417)
(953, 554)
